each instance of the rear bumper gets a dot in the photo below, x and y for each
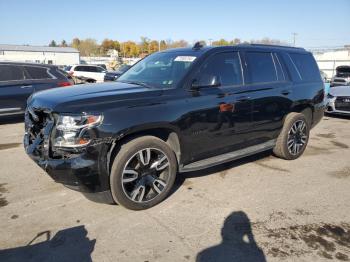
(318, 113)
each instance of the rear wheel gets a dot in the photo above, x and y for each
(143, 173)
(293, 138)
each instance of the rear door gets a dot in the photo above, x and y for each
(14, 89)
(98, 73)
(40, 77)
(82, 71)
(270, 90)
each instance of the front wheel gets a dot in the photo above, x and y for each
(143, 173)
(293, 138)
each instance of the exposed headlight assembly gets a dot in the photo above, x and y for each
(71, 130)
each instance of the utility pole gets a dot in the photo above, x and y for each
(294, 38)
(210, 41)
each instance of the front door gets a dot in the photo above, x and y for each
(221, 114)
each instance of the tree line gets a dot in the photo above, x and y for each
(90, 47)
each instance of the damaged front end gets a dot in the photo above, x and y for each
(70, 150)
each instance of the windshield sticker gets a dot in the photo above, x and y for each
(185, 58)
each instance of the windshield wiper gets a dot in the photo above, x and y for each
(137, 83)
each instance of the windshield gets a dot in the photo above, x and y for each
(160, 70)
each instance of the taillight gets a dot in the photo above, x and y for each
(63, 84)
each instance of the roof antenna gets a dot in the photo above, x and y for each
(197, 46)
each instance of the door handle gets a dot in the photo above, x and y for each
(243, 98)
(27, 86)
(285, 92)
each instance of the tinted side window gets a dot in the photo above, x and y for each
(226, 67)
(100, 69)
(37, 72)
(93, 69)
(278, 65)
(80, 68)
(306, 66)
(261, 67)
(11, 73)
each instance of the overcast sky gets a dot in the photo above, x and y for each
(319, 23)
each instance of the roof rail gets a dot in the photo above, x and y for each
(272, 45)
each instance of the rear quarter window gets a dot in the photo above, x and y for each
(11, 73)
(35, 72)
(261, 67)
(306, 67)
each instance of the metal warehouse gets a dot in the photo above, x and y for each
(40, 54)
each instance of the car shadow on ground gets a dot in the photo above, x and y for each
(71, 244)
(238, 243)
(11, 119)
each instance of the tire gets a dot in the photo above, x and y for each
(284, 147)
(136, 183)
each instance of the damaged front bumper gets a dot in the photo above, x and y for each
(84, 169)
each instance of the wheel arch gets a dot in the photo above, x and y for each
(168, 135)
(306, 110)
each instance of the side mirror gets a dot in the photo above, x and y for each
(210, 81)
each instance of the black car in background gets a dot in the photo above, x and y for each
(175, 111)
(19, 80)
(113, 75)
(342, 76)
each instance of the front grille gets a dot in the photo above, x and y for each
(38, 125)
(342, 103)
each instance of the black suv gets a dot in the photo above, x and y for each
(174, 111)
(19, 80)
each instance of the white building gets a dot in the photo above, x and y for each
(329, 60)
(40, 54)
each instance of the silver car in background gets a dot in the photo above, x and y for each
(338, 100)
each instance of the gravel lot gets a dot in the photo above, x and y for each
(257, 209)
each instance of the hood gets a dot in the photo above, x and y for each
(340, 91)
(80, 98)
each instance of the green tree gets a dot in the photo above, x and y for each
(63, 43)
(53, 43)
(144, 45)
(153, 46)
(163, 45)
(75, 43)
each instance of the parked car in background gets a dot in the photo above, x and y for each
(103, 66)
(67, 68)
(113, 75)
(19, 80)
(92, 73)
(338, 100)
(178, 110)
(342, 76)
